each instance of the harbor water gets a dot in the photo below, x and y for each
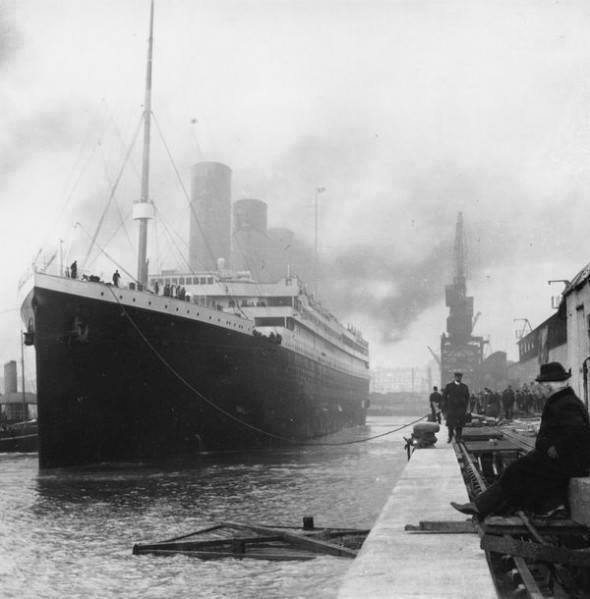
(69, 533)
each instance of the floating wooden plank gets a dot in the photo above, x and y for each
(311, 544)
(194, 545)
(231, 539)
(194, 533)
(535, 551)
(267, 555)
(442, 527)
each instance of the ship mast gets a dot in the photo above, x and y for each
(143, 209)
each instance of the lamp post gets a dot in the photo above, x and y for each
(318, 190)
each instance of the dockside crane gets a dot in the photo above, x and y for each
(460, 350)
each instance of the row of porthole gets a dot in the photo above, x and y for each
(227, 322)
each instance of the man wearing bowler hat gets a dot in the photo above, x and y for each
(539, 480)
(455, 403)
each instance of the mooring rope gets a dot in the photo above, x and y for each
(229, 415)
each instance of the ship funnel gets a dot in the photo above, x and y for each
(210, 224)
(10, 377)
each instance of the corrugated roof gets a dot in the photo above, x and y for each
(578, 280)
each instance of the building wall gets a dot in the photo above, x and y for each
(527, 370)
(395, 380)
(577, 303)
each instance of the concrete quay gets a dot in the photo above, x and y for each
(396, 564)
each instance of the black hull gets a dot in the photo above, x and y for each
(119, 384)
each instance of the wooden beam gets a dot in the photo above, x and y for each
(442, 527)
(311, 544)
(196, 545)
(514, 525)
(535, 551)
(527, 579)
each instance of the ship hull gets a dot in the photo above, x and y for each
(119, 383)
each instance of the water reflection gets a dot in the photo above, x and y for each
(76, 527)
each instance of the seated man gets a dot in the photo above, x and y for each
(539, 480)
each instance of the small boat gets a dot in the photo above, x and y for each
(276, 543)
(19, 437)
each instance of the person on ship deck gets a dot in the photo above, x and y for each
(539, 480)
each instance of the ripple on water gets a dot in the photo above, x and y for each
(70, 533)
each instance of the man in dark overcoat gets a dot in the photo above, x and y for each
(454, 405)
(435, 404)
(508, 402)
(539, 480)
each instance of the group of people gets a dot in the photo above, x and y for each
(72, 273)
(525, 400)
(177, 291)
(539, 480)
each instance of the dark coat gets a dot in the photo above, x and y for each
(455, 403)
(537, 478)
(435, 399)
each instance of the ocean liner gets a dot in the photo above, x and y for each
(182, 362)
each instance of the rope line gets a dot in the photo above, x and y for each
(113, 191)
(184, 191)
(228, 414)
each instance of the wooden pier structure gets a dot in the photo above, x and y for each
(420, 547)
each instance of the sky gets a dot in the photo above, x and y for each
(406, 112)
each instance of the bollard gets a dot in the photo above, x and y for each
(308, 523)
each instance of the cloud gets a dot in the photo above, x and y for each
(393, 293)
(10, 36)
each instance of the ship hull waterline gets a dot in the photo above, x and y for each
(122, 383)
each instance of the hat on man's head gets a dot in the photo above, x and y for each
(458, 373)
(553, 371)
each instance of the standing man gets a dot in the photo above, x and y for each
(455, 403)
(435, 404)
(74, 269)
(539, 480)
(508, 402)
(116, 277)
